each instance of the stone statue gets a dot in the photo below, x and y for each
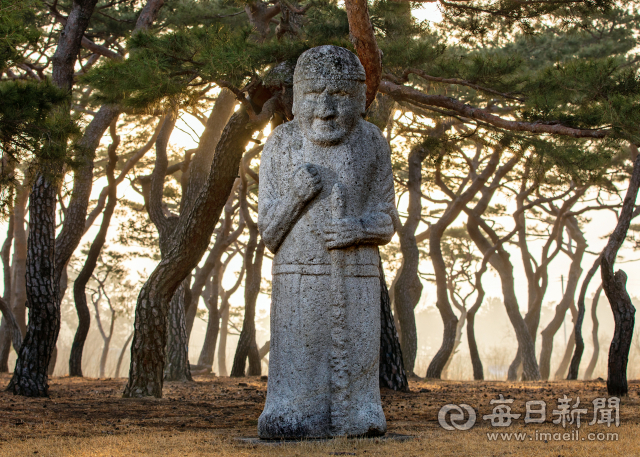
(326, 201)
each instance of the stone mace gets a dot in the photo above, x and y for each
(339, 372)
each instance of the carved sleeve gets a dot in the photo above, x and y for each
(381, 220)
(277, 213)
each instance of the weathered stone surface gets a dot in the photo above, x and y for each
(326, 201)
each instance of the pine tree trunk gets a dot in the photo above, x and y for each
(80, 284)
(247, 346)
(222, 345)
(392, 374)
(458, 340)
(121, 356)
(408, 287)
(500, 261)
(566, 358)
(192, 240)
(104, 355)
(454, 208)
(616, 291)
(5, 346)
(6, 332)
(588, 373)
(19, 261)
(177, 364)
(476, 362)
(30, 377)
(575, 270)
(577, 331)
(213, 326)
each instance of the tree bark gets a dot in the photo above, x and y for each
(30, 377)
(392, 373)
(364, 40)
(588, 373)
(408, 286)
(177, 364)
(80, 284)
(615, 289)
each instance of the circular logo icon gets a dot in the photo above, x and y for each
(455, 415)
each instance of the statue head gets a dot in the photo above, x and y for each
(329, 94)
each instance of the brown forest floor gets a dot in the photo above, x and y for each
(88, 417)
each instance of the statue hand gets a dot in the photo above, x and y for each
(306, 182)
(342, 233)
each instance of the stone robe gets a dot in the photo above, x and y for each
(300, 368)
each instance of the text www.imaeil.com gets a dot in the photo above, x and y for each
(548, 436)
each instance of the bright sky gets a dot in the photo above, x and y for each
(428, 11)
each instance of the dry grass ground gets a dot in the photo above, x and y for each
(88, 417)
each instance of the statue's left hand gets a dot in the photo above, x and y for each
(342, 233)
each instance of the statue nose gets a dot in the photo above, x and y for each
(327, 107)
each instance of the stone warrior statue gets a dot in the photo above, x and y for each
(326, 202)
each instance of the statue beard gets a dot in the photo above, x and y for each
(329, 132)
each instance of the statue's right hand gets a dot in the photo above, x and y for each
(306, 182)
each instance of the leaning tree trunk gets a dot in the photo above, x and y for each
(30, 377)
(147, 349)
(80, 284)
(177, 364)
(391, 369)
(577, 331)
(616, 291)
(588, 373)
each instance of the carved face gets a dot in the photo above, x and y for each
(328, 110)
